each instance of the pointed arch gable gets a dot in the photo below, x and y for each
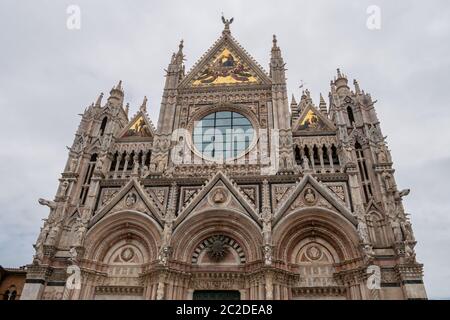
(323, 191)
(139, 116)
(203, 193)
(226, 41)
(132, 184)
(328, 126)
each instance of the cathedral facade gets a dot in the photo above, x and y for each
(237, 193)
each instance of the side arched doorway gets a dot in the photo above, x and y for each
(322, 247)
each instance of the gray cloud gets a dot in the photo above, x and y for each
(50, 74)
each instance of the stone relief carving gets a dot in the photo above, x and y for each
(63, 189)
(53, 235)
(362, 230)
(80, 231)
(130, 200)
(309, 196)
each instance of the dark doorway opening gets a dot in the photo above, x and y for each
(217, 295)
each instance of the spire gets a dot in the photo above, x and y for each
(293, 102)
(119, 86)
(356, 84)
(322, 105)
(274, 41)
(341, 84)
(277, 70)
(179, 57)
(99, 100)
(276, 52)
(127, 108)
(294, 110)
(116, 95)
(305, 100)
(117, 90)
(143, 107)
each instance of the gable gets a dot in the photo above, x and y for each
(309, 193)
(226, 63)
(313, 120)
(226, 68)
(130, 197)
(218, 193)
(139, 128)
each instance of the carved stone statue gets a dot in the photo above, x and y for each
(63, 190)
(266, 220)
(99, 165)
(398, 236)
(368, 251)
(130, 200)
(267, 250)
(227, 22)
(73, 165)
(144, 172)
(219, 196)
(79, 232)
(410, 255)
(309, 196)
(382, 157)
(52, 236)
(305, 163)
(407, 230)
(167, 233)
(362, 230)
(161, 166)
(164, 254)
(388, 182)
(160, 291)
(73, 255)
(42, 238)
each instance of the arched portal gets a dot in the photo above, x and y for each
(120, 247)
(218, 247)
(318, 245)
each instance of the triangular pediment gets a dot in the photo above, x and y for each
(131, 197)
(139, 128)
(310, 193)
(372, 206)
(225, 63)
(219, 194)
(312, 120)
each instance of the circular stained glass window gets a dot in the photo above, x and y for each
(223, 135)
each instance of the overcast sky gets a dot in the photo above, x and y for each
(49, 74)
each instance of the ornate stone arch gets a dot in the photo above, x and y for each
(129, 226)
(316, 223)
(192, 232)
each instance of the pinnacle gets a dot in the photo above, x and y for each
(144, 104)
(119, 86)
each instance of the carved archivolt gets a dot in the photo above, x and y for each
(217, 248)
(139, 230)
(316, 223)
